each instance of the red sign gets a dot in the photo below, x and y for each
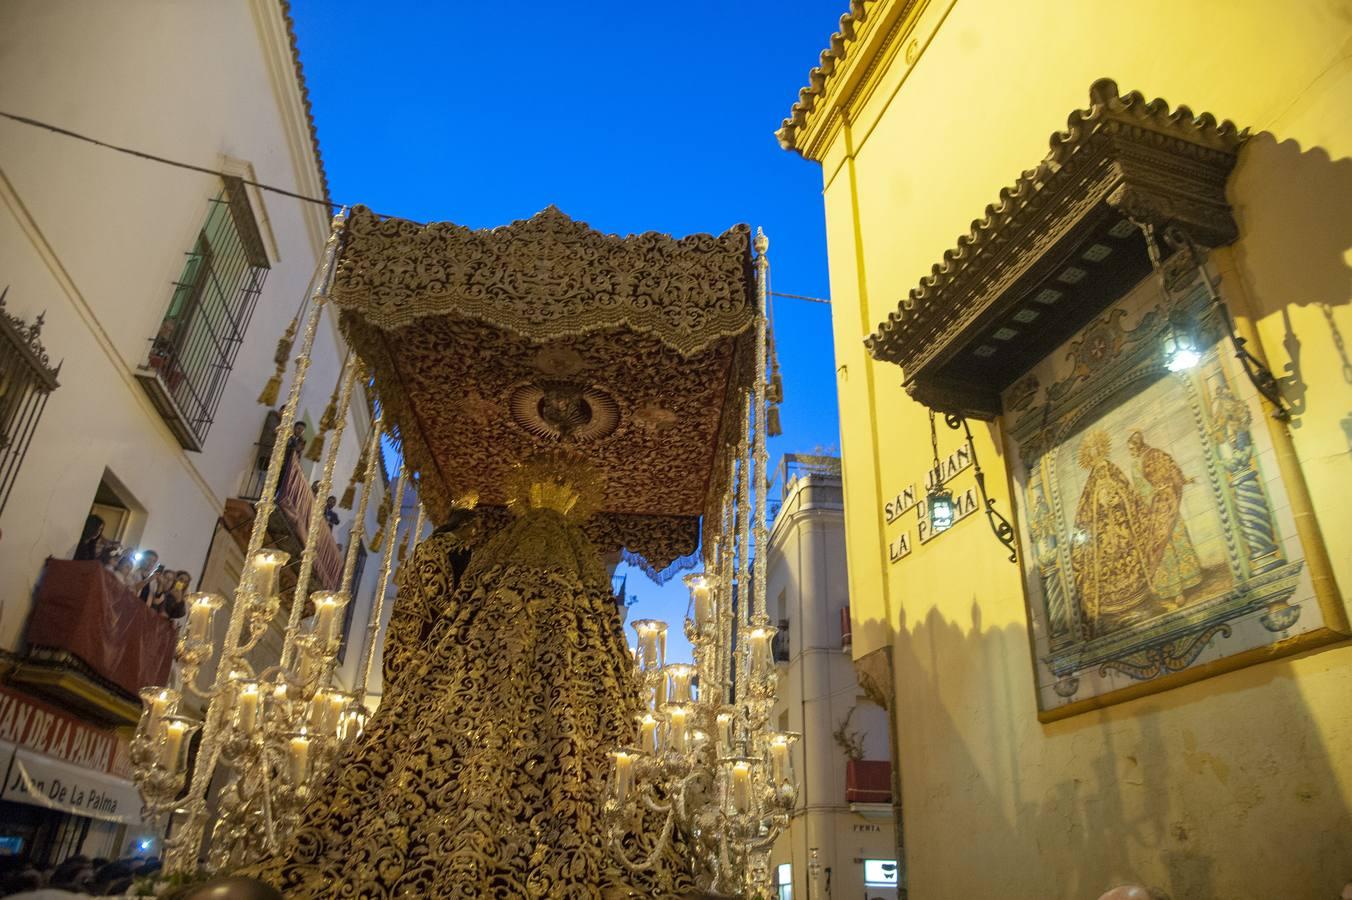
(30, 723)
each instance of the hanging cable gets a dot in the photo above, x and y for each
(159, 159)
(141, 154)
(800, 297)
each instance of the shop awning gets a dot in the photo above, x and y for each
(40, 780)
(56, 761)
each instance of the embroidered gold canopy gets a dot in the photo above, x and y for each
(490, 345)
(1059, 246)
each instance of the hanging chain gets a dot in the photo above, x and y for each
(934, 443)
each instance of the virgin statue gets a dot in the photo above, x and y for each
(507, 681)
(1173, 563)
(1110, 567)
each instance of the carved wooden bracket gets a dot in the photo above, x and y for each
(1059, 246)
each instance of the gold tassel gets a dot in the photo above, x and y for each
(273, 388)
(382, 513)
(326, 422)
(349, 496)
(270, 391)
(772, 427)
(403, 547)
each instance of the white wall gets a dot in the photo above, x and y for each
(817, 690)
(94, 239)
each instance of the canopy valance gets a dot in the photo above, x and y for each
(490, 345)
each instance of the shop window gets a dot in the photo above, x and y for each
(880, 873)
(194, 348)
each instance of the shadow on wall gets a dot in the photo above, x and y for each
(1219, 789)
(1294, 209)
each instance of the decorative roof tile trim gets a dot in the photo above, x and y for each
(816, 78)
(305, 95)
(1106, 107)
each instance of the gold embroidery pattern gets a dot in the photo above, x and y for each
(483, 772)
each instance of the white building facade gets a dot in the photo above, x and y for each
(841, 838)
(162, 294)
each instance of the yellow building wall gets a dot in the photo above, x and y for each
(1236, 786)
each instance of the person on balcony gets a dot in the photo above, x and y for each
(330, 513)
(125, 570)
(172, 603)
(146, 576)
(91, 539)
(294, 445)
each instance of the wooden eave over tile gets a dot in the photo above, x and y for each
(1068, 226)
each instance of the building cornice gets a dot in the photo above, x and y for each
(285, 7)
(847, 69)
(277, 39)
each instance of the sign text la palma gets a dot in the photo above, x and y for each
(911, 496)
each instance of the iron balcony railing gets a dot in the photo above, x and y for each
(27, 379)
(194, 350)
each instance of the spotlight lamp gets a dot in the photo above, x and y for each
(1182, 349)
(1183, 343)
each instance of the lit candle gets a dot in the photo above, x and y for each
(624, 774)
(201, 608)
(648, 733)
(699, 590)
(741, 786)
(327, 607)
(724, 722)
(337, 709)
(779, 758)
(676, 724)
(267, 565)
(680, 682)
(652, 643)
(248, 707)
(319, 712)
(300, 759)
(160, 702)
(173, 742)
(760, 649)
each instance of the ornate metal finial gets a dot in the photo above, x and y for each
(762, 242)
(26, 340)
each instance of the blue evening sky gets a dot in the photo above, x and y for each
(628, 116)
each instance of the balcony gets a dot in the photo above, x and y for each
(779, 644)
(287, 527)
(92, 644)
(868, 781)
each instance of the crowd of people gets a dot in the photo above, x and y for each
(161, 589)
(77, 876)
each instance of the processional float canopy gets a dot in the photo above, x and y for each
(489, 346)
